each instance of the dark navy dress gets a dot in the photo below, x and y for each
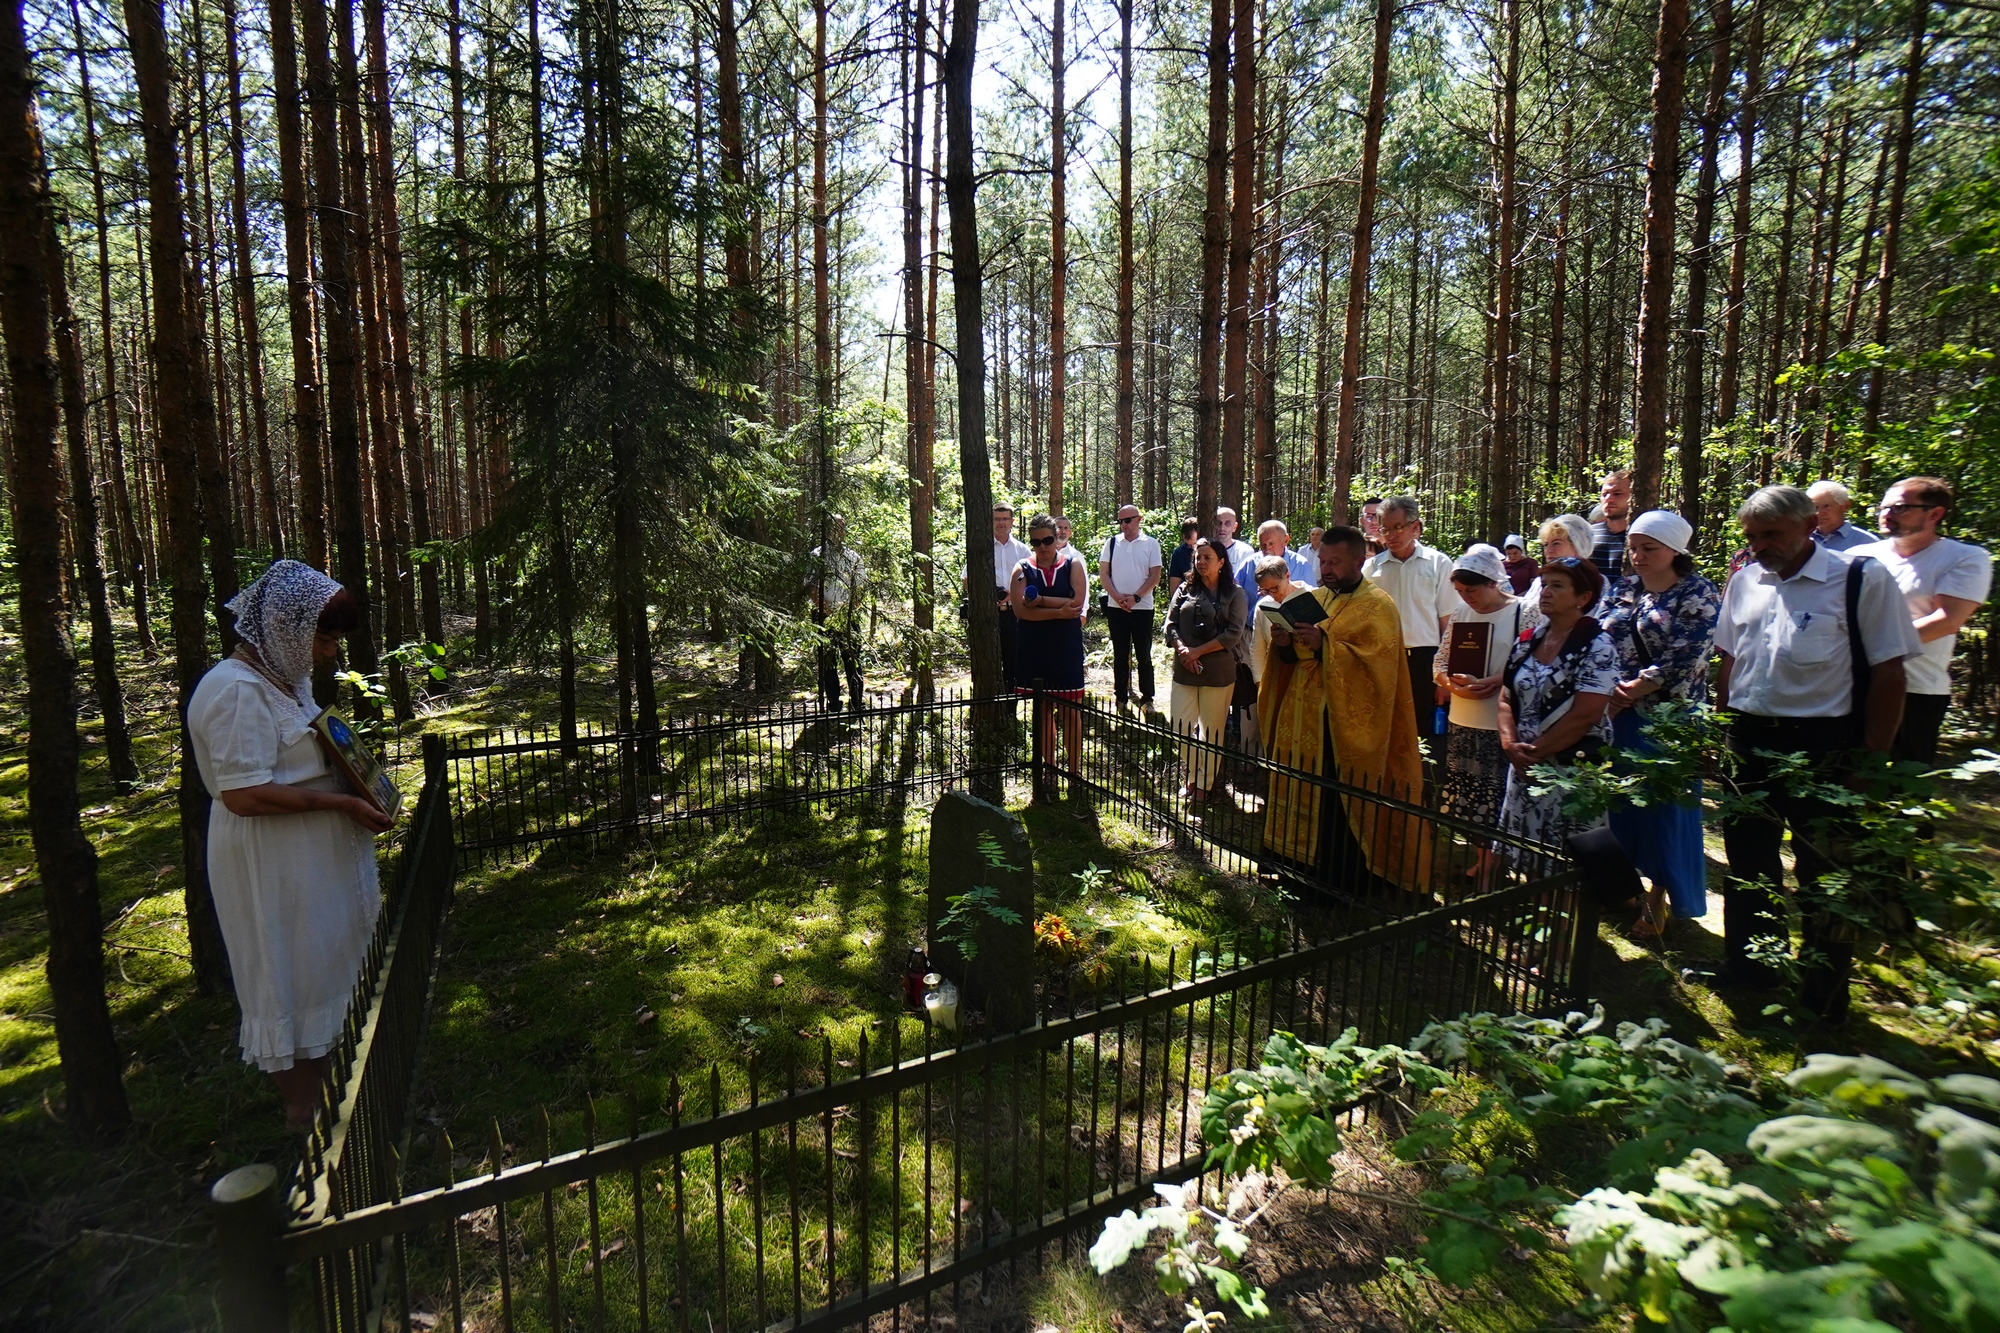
(1048, 654)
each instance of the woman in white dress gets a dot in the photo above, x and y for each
(291, 847)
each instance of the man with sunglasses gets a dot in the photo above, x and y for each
(1943, 582)
(1128, 573)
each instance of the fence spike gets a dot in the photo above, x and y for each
(497, 1150)
(589, 1121)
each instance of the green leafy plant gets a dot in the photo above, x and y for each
(958, 926)
(1847, 1195)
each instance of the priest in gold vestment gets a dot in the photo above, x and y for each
(1336, 700)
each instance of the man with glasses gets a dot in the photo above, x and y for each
(1008, 551)
(1128, 573)
(1943, 582)
(1831, 503)
(1418, 580)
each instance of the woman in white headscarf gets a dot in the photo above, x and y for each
(291, 847)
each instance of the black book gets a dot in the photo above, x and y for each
(1303, 610)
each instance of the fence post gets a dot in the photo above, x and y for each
(434, 760)
(249, 1218)
(1583, 942)
(1037, 751)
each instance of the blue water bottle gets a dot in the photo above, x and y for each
(1437, 724)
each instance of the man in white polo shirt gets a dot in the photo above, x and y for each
(1418, 580)
(1128, 573)
(1944, 582)
(1788, 631)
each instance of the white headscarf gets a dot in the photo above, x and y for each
(278, 616)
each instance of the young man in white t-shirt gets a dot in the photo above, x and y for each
(1944, 582)
(1128, 573)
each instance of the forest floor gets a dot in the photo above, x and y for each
(116, 1240)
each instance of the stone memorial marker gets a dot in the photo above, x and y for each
(982, 907)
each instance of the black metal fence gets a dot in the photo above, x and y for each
(815, 1198)
(527, 788)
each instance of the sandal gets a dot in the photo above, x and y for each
(1645, 928)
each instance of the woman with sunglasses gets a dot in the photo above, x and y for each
(1204, 623)
(1048, 591)
(1554, 691)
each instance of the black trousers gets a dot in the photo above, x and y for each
(1424, 687)
(1007, 641)
(841, 654)
(1923, 719)
(1130, 630)
(1751, 907)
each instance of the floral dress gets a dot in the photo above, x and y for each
(1669, 637)
(1542, 693)
(1669, 634)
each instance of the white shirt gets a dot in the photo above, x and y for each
(1508, 622)
(843, 577)
(1069, 552)
(1945, 568)
(1006, 555)
(1130, 561)
(1420, 587)
(1789, 637)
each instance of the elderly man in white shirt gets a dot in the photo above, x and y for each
(1831, 503)
(1128, 573)
(1789, 631)
(1418, 580)
(1943, 582)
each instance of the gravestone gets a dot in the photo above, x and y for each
(977, 846)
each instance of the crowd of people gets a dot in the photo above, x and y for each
(1341, 655)
(1356, 647)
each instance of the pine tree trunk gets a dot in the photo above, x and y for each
(83, 513)
(246, 293)
(1731, 370)
(1058, 262)
(182, 415)
(1242, 243)
(306, 420)
(1892, 227)
(137, 570)
(1656, 283)
(1357, 268)
(968, 301)
(1214, 253)
(409, 467)
(94, 1102)
(1121, 465)
(338, 302)
(1502, 465)
(1694, 365)
(1558, 315)
(915, 352)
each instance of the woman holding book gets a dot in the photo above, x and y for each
(1470, 662)
(1662, 621)
(1275, 587)
(1204, 623)
(291, 846)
